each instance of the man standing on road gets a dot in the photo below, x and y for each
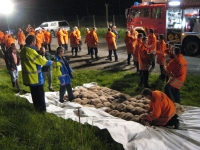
(87, 31)
(92, 42)
(110, 39)
(177, 71)
(31, 63)
(21, 38)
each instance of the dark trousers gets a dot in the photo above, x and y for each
(115, 54)
(74, 49)
(144, 77)
(66, 47)
(136, 63)
(37, 93)
(129, 58)
(92, 51)
(69, 92)
(88, 50)
(49, 47)
(172, 93)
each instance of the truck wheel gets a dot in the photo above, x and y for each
(52, 33)
(191, 47)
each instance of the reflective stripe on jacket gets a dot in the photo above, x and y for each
(31, 63)
(162, 108)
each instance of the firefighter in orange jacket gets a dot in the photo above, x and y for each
(92, 42)
(130, 45)
(138, 45)
(111, 42)
(78, 33)
(65, 38)
(160, 54)
(143, 59)
(9, 41)
(74, 41)
(1, 40)
(21, 38)
(39, 39)
(87, 32)
(152, 45)
(60, 37)
(31, 31)
(162, 111)
(177, 71)
(133, 32)
(4, 40)
(47, 39)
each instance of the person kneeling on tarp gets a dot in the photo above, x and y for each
(162, 111)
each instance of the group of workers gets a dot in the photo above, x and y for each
(143, 49)
(173, 67)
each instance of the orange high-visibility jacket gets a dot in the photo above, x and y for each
(21, 38)
(1, 36)
(47, 37)
(177, 68)
(78, 33)
(138, 45)
(31, 32)
(134, 33)
(110, 39)
(74, 41)
(9, 41)
(162, 108)
(160, 52)
(130, 43)
(143, 57)
(39, 40)
(87, 37)
(5, 37)
(66, 36)
(60, 37)
(92, 39)
(152, 41)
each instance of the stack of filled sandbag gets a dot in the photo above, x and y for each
(116, 103)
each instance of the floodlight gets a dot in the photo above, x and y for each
(6, 6)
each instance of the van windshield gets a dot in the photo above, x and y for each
(63, 23)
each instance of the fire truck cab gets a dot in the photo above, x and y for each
(178, 21)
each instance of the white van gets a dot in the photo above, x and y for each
(53, 26)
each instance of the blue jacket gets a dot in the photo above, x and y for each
(65, 69)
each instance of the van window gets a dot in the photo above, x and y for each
(144, 12)
(156, 13)
(53, 24)
(44, 25)
(63, 23)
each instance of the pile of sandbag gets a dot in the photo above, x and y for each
(116, 103)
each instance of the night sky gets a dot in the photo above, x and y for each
(44, 10)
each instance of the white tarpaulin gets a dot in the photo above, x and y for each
(132, 135)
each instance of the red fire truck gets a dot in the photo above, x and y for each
(179, 21)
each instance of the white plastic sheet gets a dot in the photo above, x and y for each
(130, 134)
